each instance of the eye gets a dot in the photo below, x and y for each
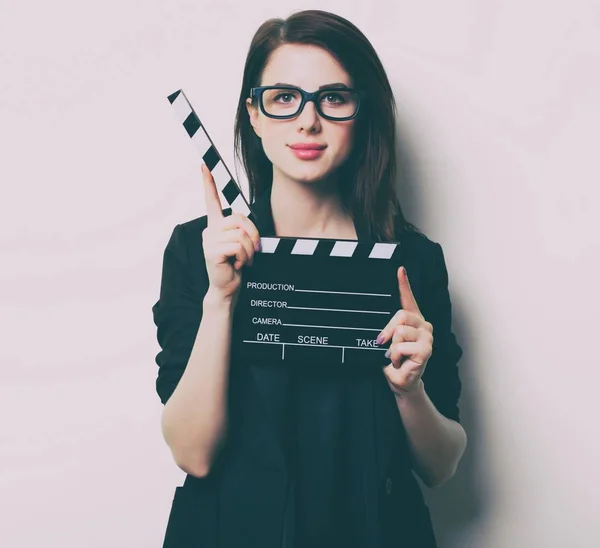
(284, 97)
(333, 98)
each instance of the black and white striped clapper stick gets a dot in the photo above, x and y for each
(304, 301)
(204, 145)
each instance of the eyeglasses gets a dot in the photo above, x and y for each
(284, 102)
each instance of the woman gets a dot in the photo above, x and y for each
(333, 466)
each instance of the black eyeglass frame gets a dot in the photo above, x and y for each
(257, 92)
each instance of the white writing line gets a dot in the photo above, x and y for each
(319, 345)
(337, 310)
(343, 293)
(330, 327)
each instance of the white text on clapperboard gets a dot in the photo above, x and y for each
(321, 340)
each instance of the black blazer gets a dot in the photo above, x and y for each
(240, 502)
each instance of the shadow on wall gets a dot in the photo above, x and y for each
(457, 507)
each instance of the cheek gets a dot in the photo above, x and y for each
(273, 140)
(345, 139)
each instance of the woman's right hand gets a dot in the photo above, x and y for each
(229, 242)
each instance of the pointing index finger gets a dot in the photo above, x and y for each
(211, 194)
(407, 298)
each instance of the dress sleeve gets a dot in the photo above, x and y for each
(441, 377)
(177, 313)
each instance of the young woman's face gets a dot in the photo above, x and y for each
(307, 67)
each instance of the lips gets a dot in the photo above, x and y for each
(307, 146)
(307, 153)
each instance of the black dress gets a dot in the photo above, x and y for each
(331, 424)
(332, 432)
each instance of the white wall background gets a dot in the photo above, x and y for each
(499, 114)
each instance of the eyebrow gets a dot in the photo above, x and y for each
(334, 85)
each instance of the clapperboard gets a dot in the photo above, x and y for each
(305, 300)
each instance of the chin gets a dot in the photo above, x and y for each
(309, 178)
(309, 172)
(306, 171)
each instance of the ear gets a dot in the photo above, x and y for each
(254, 116)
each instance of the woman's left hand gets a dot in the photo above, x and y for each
(412, 342)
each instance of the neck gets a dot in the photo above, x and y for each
(309, 210)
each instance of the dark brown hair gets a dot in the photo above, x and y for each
(370, 197)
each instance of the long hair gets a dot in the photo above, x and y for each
(369, 174)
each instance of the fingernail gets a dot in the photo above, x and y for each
(380, 338)
(257, 246)
(388, 353)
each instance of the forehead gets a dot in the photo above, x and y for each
(305, 66)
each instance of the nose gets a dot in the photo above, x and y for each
(309, 117)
